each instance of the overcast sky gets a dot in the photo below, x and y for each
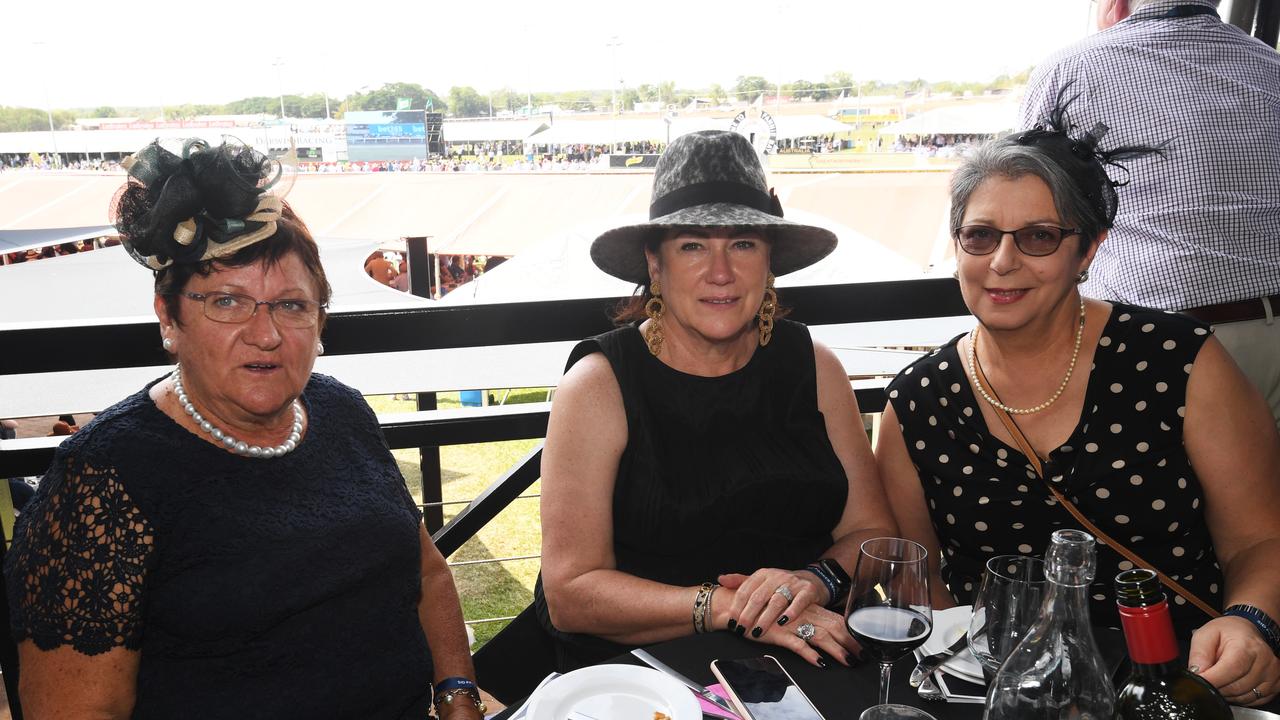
(81, 53)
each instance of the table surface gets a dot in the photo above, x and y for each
(830, 689)
(837, 691)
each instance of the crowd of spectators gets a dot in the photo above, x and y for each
(547, 162)
(391, 269)
(936, 145)
(50, 162)
(52, 251)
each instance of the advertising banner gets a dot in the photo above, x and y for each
(633, 161)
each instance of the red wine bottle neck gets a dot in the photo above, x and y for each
(1148, 631)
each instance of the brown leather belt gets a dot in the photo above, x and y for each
(1234, 311)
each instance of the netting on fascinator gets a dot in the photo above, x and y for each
(1081, 156)
(197, 204)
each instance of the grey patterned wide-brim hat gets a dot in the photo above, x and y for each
(711, 178)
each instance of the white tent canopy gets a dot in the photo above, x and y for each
(20, 240)
(797, 126)
(106, 284)
(603, 132)
(490, 130)
(977, 119)
(560, 266)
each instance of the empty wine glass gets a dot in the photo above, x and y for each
(1007, 603)
(889, 612)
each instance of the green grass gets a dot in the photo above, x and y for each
(492, 589)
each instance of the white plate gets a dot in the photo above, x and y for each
(948, 626)
(614, 692)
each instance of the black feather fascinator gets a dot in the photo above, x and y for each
(197, 204)
(1081, 154)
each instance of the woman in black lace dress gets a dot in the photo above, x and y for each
(710, 442)
(234, 540)
(1138, 417)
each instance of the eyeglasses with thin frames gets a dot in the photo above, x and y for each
(226, 307)
(1034, 240)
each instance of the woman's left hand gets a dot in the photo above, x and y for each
(1232, 656)
(758, 603)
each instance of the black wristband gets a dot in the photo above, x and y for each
(1267, 627)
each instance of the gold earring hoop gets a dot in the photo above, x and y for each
(654, 308)
(768, 306)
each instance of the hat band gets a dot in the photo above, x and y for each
(715, 192)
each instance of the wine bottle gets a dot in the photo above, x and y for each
(1160, 687)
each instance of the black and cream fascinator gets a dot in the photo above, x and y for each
(1081, 154)
(198, 203)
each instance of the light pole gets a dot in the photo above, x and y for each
(279, 63)
(48, 110)
(613, 43)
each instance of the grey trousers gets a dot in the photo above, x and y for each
(1255, 346)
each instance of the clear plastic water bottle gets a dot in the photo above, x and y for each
(1057, 672)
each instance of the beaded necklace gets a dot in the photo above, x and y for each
(239, 447)
(973, 372)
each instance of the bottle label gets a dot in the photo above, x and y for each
(1148, 631)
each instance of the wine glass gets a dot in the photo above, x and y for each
(889, 612)
(1008, 601)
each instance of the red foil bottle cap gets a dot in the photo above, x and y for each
(1148, 631)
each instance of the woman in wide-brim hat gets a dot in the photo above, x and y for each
(705, 467)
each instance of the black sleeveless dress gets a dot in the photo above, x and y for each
(720, 474)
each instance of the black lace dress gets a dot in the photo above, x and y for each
(253, 588)
(1124, 466)
(720, 474)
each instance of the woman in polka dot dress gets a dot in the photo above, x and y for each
(1139, 416)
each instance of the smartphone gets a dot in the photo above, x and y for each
(760, 689)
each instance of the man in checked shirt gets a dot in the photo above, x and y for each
(1198, 231)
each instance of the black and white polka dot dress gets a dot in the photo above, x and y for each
(1124, 465)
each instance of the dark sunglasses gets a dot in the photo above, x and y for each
(1035, 240)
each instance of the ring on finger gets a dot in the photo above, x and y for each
(1257, 694)
(785, 592)
(806, 632)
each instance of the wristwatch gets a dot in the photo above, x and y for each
(840, 577)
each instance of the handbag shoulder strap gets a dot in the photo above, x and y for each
(1024, 445)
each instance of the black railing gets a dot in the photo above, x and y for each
(38, 350)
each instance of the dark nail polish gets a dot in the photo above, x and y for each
(756, 632)
(822, 663)
(851, 659)
(733, 624)
(742, 630)
(783, 620)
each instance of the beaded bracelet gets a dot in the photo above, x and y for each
(702, 606)
(1267, 627)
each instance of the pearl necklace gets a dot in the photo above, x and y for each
(239, 447)
(973, 372)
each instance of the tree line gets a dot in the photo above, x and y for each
(464, 102)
